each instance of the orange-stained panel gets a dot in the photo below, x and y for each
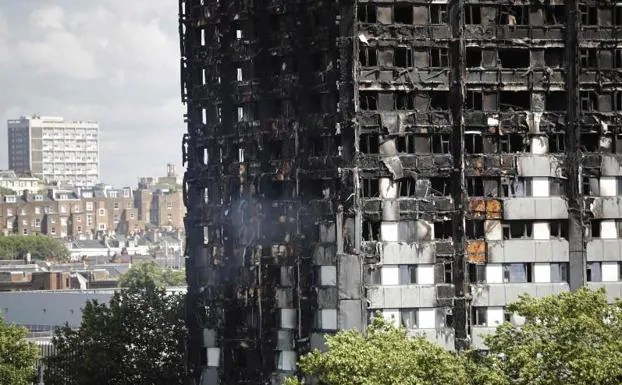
(476, 251)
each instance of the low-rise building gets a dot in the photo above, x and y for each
(19, 183)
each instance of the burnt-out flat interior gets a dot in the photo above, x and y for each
(426, 160)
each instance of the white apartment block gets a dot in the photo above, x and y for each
(55, 149)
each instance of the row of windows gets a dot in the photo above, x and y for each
(503, 14)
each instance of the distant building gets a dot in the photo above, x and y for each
(10, 180)
(159, 200)
(55, 149)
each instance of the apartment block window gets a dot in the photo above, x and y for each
(403, 57)
(367, 13)
(407, 274)
(594, 273)
(477, 273)
(408, 318)
(517, 273)
(63, 209)
(479, 316)
(368, 56)
(37, 210)
(368, 101)
(374, 277)
(89, 220)
(102, 212)
(439, 57)
(559, 272)
(9, 212)
(53, 231)
(116, 205)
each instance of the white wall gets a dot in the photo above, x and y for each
(389, 231)
(541, 272)
(541, 230)
(390, 275)
(328, 275)
(289, 319)
(608, 229)
(610, 271)
(328, 319)
(540, 187)
(425, 274)
(427, 318)
(608, 186)
(494, 316)
(494, 273)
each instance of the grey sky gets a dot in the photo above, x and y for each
(114, 61)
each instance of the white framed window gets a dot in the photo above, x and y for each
(89, 206)
(102, 227)
(89, 220)
(102, 212)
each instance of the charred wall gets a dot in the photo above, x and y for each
(427, 160)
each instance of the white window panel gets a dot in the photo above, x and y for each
(541, 230)
(494, 273)
(542, 272)
(425, 274)
(390, 275)
(213, 357)
(539, 145)
(493, 230)
(287, 360)
(388, 188)
(288, 318)
(608, 186)
(608, 230)
(427, 318)
(328, 275)
(495, 316)
(610, 271)
(540, 187)
(389, 231)
(240, 76)
(392, 315)
(328, 318)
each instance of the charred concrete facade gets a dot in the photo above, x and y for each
(430, 160)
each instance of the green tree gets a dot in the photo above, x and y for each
(7, 191)
(384, 356)
(567, 339)
(142, 273)
(39, 247)
(138, 338)
(17, 356)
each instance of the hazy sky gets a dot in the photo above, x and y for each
(114, 61)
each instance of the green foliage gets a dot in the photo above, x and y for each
(138, 338)
(141, 274)
(7, 191)
(567, 339)
(385, 356)
(17, 356)
(39, 246)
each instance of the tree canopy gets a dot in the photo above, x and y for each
(138, 338)
(567, 339)
(39, 246)
(142, 273)
(7, 191)
(17, 356)
(385, 356)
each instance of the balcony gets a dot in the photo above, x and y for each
(401, 296)
(528, 251)
(604, 207)
(535, 208)
(501, 294)
(604, 249)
